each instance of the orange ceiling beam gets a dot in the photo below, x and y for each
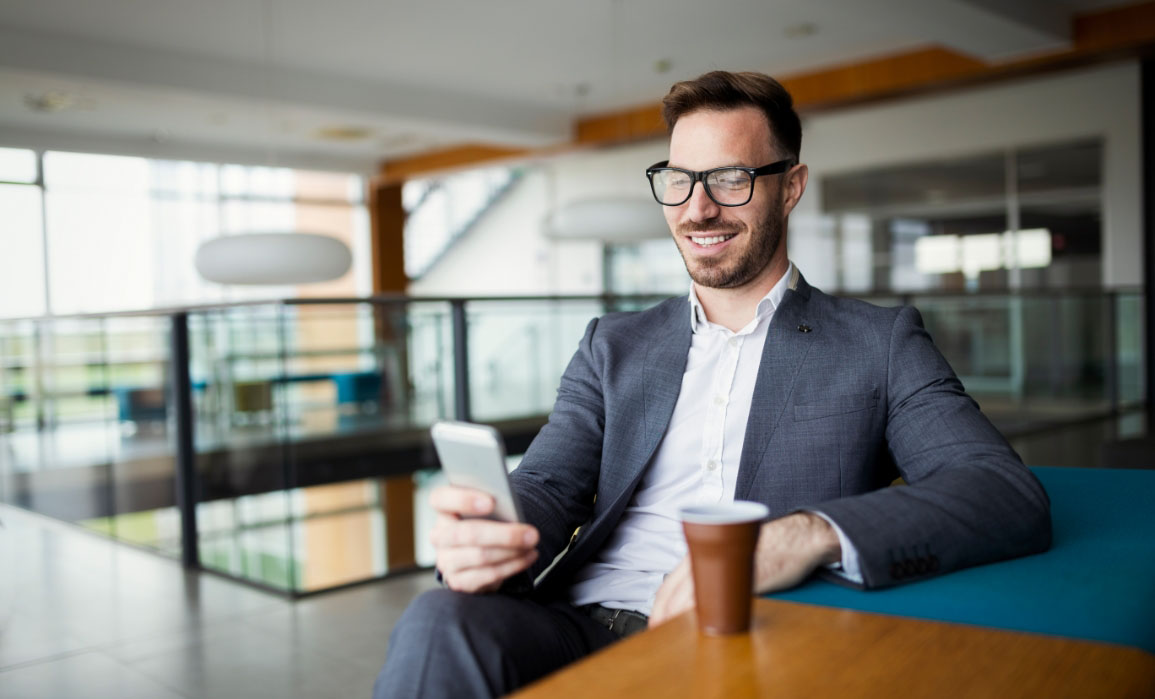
(393, 171)
(1132, 26)
(1118, 33)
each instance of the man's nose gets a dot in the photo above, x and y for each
(701, 207)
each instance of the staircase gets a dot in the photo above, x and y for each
(439, 211)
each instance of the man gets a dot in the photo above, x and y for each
(759, 387)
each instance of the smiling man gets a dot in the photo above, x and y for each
(755, 386)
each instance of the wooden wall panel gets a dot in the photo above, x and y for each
(387, 237)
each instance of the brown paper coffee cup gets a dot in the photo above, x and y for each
(721, 539)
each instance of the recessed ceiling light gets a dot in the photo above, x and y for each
(53, 101)
(800, 30)
(342, 133)
(663, 65)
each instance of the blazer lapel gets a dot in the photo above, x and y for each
(788, 340)
(665, 363)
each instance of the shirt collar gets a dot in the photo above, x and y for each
(766, 306)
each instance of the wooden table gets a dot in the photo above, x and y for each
(802, 650)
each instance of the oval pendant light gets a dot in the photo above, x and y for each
(273, 258)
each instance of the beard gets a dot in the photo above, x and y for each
(725, 272)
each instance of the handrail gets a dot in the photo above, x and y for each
(609, 299)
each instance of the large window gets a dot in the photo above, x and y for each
(21, 235)
(1026, 218)
(93, 233)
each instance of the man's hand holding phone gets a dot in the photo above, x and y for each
(477, 555)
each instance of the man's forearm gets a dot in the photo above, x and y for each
(790, 548)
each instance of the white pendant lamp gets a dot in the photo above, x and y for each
(286, 257)
(608, 219)
(273, 258)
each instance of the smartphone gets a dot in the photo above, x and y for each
(473, 456)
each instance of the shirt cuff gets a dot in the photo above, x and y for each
(850, 566)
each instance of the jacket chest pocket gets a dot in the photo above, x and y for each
(836, 405)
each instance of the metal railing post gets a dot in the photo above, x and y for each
(1147, 114)
(186, 476)
(460, 360)
(1112, 373)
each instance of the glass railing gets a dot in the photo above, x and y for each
(302, 447)
(307, 422)
(1032, 359)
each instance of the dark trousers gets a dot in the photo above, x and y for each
(452, 644)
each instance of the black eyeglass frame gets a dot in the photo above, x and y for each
(754, 172)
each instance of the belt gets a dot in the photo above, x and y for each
(622, 622)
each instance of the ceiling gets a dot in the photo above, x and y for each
(348, 83)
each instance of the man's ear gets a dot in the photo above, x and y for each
(793, 186)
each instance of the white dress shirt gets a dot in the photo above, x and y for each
(696, 463)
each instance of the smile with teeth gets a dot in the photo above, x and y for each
(712, 240)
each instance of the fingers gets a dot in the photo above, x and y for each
(680, 599)
(489, 577)
(460, 558)
(476, 555)
(450, 532)
(676, 594)
(461, 502)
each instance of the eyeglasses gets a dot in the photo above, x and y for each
(726, 186)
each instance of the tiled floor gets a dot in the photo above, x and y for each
(81, 616)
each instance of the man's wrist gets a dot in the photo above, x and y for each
(823, 539)
(790, 548)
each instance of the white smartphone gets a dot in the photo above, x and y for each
(473, 456)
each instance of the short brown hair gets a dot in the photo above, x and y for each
(722, 91)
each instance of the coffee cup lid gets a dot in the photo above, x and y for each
(725, 513)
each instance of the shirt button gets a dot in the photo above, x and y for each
(712, 465)
(719, 400)
(734, 342)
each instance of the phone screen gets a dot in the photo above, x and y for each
(473, 457)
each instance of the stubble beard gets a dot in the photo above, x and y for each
(754, 258)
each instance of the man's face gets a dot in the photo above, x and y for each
(727, 247)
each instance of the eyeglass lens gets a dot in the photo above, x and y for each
(725, 185)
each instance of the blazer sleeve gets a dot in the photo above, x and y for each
(968, 498)
(558, 476)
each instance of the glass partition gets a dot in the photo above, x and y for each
(19, 344)
(1131, 378)
(1032, 359)
(518, 351)
(310, 419)
(86, 436)
(430, 388)
(1025, 218)
(298, 403)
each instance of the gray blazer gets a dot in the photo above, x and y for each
(848, 397)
